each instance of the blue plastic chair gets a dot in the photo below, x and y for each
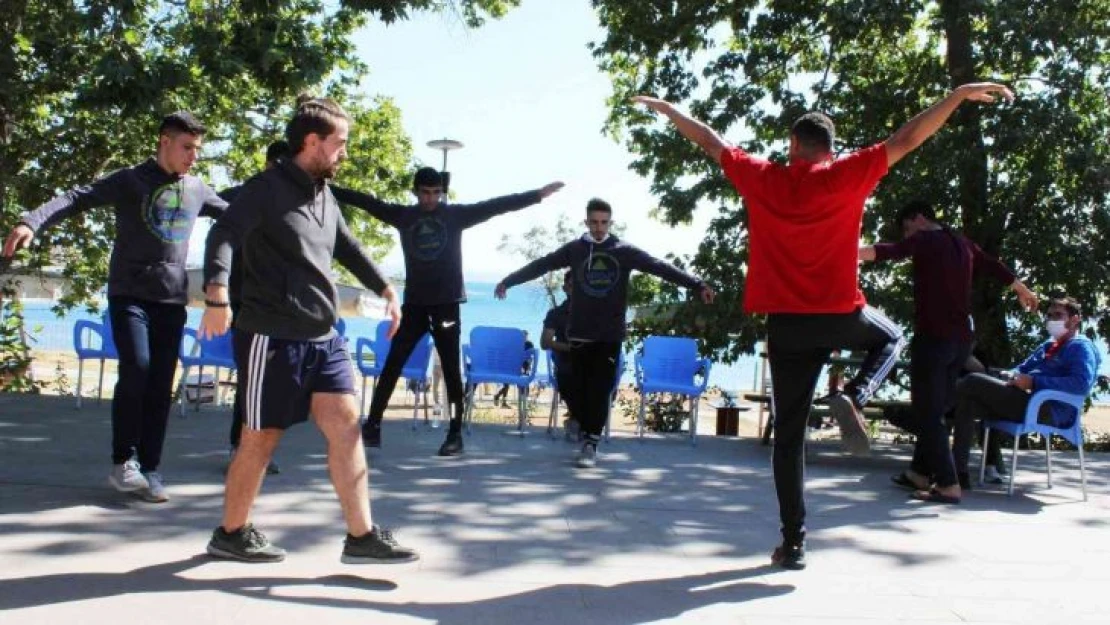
(414, 370)
(670, 364)
(218, 352)
(93, 340)
(1072, 432)
(495, 355)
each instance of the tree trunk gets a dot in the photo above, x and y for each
(987, 306)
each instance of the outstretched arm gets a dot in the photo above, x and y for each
(385, 212)
(555, 260)
(473, 214)
(911, 135)
(694, 130)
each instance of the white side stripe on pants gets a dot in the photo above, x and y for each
(256, 370)
(880, 320)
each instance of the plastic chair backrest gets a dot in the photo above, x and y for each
(671, 359)
(103, 329)
(496, 350)
(219, 351)
(341, 326)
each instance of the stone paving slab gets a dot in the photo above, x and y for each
(511, 533)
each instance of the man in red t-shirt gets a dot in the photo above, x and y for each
(804, 222)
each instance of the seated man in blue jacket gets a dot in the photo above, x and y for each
(1066, 362)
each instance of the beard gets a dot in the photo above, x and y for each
(325, 167)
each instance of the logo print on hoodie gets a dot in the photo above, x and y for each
(599, 275)
(164, 215)
(428, 238)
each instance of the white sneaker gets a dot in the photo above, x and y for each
(992, 476)
(156, 491)
(587, 457)
(127, 478)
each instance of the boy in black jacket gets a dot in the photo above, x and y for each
(601, 264)
(431, 239)
(156, 205)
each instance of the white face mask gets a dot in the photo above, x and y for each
(1056, 327)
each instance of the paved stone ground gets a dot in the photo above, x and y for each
(512, 533)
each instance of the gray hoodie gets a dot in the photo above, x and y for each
(290, 228)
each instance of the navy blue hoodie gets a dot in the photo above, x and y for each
(155, 213)
(600, 296)
(432, 240)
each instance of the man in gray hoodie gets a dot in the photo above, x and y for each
(602, 264)
(156, 204)
(290, 229)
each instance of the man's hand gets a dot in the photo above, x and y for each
(500, 290)
(392, 308)
(985, 92)
(216, 320)
(1022, 381)
(707, 294)
(1028, 299)
(19, 238)
(548, 189)
(655, 104)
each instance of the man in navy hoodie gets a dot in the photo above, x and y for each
(601, 264)
(156, 204)
(431, 239)
(1067, 361)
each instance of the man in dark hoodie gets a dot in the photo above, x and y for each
(274, 151)
(156, 205)
(290, 229)
(596, 327)
(431, 239)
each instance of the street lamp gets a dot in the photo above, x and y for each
(446, 145)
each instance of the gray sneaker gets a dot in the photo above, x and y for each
(127, 478)
(375, 547)
(155, 491)
(247, 545)
(853, 429)
(573, 432)
(587, 456)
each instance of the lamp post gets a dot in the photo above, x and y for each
(446, 145)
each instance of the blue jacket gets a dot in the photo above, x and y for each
(1073, 369)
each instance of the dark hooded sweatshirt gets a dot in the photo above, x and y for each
(432, 240)
(155, 213)
(290, 228)
(601, 270)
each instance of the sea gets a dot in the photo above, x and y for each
(524, 308)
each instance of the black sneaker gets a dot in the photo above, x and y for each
(791, 556)
(372, 434)
(247, 544)
(375, 547)
(964, 479)
(453, 446)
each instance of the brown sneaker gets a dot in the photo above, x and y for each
(853, 429)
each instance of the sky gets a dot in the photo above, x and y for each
(525, 97)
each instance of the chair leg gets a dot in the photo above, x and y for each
(468, 406)
(640, 420)
(100, 383)
(609, 415)
(80, 370)
(1013, 466)
(182, 389)
(1048, 457)
(1082, 468)
(983, 456)
(553, 417)
(694, 407)
(415, 406)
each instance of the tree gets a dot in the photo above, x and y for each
(87, 83)
(1028, 181)
(537, 242)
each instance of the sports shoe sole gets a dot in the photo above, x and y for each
(150, 497)
(349, 559)
(124, 488)
(853, 429)
(216, 552)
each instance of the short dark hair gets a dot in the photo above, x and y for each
(276, 150)
(598, 204)
(915, 208)
(814, 131)
(181, 122)
(314, 116)
(1069, 304)
(427, 177)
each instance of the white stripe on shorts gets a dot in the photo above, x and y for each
(256, 371)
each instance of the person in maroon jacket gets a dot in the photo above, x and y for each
(943, 263)
(804, 221)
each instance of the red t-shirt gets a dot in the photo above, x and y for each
(804, 225)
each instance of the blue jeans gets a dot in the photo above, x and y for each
(148, 337)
